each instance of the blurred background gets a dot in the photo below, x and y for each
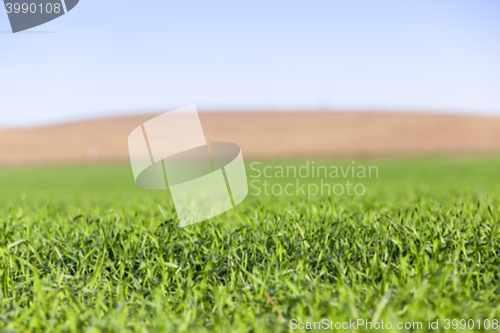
(280, 78)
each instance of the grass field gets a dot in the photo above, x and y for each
(82, 249)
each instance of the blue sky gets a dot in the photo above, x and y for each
(124, 57)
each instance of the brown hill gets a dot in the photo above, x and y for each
(267, 135)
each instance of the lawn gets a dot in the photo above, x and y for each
(83, 249)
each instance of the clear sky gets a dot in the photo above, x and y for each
(122, 57)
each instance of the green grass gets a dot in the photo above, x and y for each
(82, 249)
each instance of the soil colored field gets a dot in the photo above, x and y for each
(267, 135)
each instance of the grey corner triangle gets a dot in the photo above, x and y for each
(70, 4)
